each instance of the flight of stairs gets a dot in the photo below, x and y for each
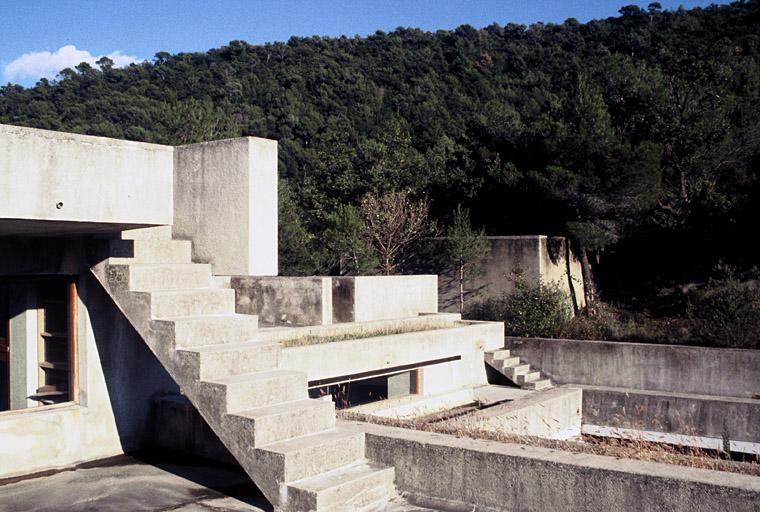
(517, 371)
(287, 443)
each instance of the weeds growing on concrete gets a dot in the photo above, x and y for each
(317, 339)
(629, 447)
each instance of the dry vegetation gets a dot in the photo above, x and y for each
(628, 448)
(317, 339)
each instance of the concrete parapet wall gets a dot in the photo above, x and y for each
(225, 201)
(676, 413)
(327, 300)
(445, 471)
(669, 368)
(64, 177)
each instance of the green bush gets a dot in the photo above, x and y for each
(727, 314)
(529, 311)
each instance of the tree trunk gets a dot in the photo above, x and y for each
(570, 284)
(461, 288)
(589, 291)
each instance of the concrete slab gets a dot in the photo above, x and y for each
(129, 483)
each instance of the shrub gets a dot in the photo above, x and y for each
(529, 311)
(727, 314)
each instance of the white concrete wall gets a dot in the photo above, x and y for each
(386, 297)
(92, 179)
(225, 201)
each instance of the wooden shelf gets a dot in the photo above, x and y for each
(55, 365)
(55, 335)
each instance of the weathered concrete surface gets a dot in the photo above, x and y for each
(538, 258)
(225, 201)
(552, 414)
(327, 300)
(354, 356)
(73, 179)
(384, 297)
(489, 476)
(177, 426)
(129, 484)
(677, 413)
(669, 368)
(284, 300)
(117, 377)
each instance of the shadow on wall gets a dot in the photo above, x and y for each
(133, 375)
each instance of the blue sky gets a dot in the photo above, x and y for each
(40, 37)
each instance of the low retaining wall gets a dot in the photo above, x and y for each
(440, 470)
(738, 419)
(669, 368)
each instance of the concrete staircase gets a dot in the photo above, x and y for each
(517, 371)
(287, 443)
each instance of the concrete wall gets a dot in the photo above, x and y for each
(670, 368)
(327, 300)
(225, 201)
(63, 177)
(117, 378)
(341, 358)
(675, 413)
(536, 257)
(284, 300)
(444, 471)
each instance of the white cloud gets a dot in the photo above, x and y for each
(37, 65)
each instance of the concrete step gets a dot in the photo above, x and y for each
(194, 331)
(525, 378)
(538, 385)
(499, 354)
(511, 362)
(513, 371)
(228, 359)
(125, 252)
(344, 489)
(167, 276)
(251, 390)
(302, 457)
(177, 303)
(152, 233)
(273, 423)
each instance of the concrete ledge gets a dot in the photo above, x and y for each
(674, 413)
(484, 476)
(64, 177)
(671, 368)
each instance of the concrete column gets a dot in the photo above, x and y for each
(23, 343)
(225, 201)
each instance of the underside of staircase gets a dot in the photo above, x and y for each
(287, 443)
(516, 370)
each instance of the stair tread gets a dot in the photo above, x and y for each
(340, 476)
(280, 408)
(186, 291)
(228, 347)
(202, 317)
(325, 437)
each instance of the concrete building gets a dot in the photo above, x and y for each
(132, 271)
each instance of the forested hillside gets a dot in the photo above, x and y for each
(638, 136)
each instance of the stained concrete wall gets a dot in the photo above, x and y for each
(284, 300)
(225, 201)
(669, 368)
(674, 413)
(118, 376)
(327, 300)
(63, 177)
(537, 258)
(445, 471)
